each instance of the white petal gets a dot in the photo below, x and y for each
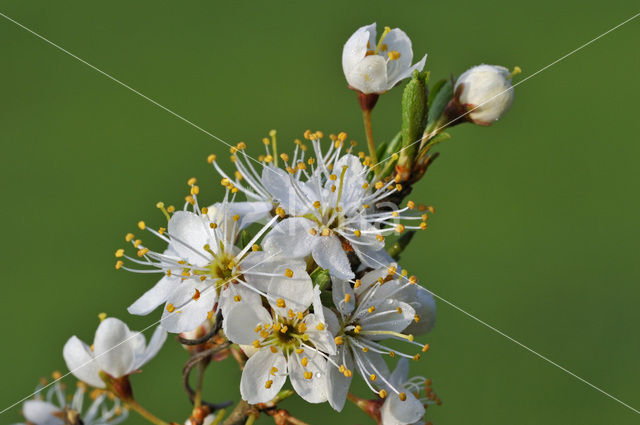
(373, 255)
(322, 339)
(397, 40)
(402, 412)
(227, 299)
(331, 320)
(400, 374)
(278, 183)
(392, 321)
(312, 390)
(369, 75)
(154, 296)
(297, 291)
(338, 384)
(407, 73)
(291, 238)
(425, 307)
(256, 373)
(114, 347)
(372, 277)
(155, 344)
(249, 212)
(328, 253)
(41, 413)
(80, 362)
(189, 313)
(355, 48)
(240, 323)
(189, 234)
(339, 289)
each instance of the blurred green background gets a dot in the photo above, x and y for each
(536, 229)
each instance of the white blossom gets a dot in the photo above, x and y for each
(203, 269)
(290, 341)
(410, 411)
(375, 66)
(116, 351)
(486, 88)
(56, 408)
(369, 311)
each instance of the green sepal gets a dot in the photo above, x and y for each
(243, 238)
(434, 91)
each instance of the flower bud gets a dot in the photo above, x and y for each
(486, 91)
(373, 66)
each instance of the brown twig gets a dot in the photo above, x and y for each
(202, 356)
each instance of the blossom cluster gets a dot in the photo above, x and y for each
(295, 270)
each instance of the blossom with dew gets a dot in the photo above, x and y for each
(290, 341)
(369, 311)
(332, 211)
(418, 395)
(486, 91)
(204, 271)
(116, 351)
(58, 408)
(376, 65)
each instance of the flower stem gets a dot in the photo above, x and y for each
(366, 117)
(145, 413)
(197, 400)
(219, 417)
(251, 419)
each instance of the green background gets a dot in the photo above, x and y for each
(536, 229)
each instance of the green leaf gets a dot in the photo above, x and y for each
(414, 112)
(434, 91)
(440, 100)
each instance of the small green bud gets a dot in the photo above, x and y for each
(414, 114)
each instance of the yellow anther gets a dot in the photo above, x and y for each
(413, 280)
(255, 247)
(299, 315)
(102, 316)
(288, 273)
(333, 188)
(129, 237)
(382, 393)
(411, 205)
(264, 334)
(392, 353)
(119, 264)
(196, 295)
(365, 206)
(365, 186)
(365, 349)
(257, 329)
(211, 158)
(268, 384)
(333, 177)
(308, 375)
(256, 344)
(400, 228)
(402, 396)
(380, 281)
(516, 70)
(357, 329)
(404, 273)
(190, 199)
(284, 157)
(348, 373)
(119, 253)
(280, 212)
(291, 314)
(347, 298)
(213, 225)
(339, 340)
(311, 161)
(277, 327)
(171, 209)
(360, 154)
(399, 187)
(280, 303)
(195, 190)
(394, 214)
(373, 377)
(342, 368)
(170, 308)
(241, 145)
(266, 141)
(393, 55)
(299, 351)
(384, 47)
(342, 136)
(284, 329)
(274, 370)
(378, 185)
(357, 233)
(423, 225)
(237, 298)
(399, 310)
(238, 175)
(304, 361)
(357, 283)
(325, 232)
(317, 204)
(416, 318)
(302, 166)
(141, 225)
(56, 375)
(225, 182)
(302, 327)
(416, 357)
(142, 252)
(236, 217)
(431, 209)
(192, 181)
(425, 348)
(371, 309)
(392, 270)
(320, 326)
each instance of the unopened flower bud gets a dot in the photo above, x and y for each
(486, 91)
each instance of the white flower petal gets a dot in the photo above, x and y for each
(240, 323)
(114, 347)
(249, 212)
(338, 384)
(331, 320)
(189, 233)
(188, 313)
(291, 238)
(227, 299)
(81, 363)
(369, 75)
(339, 289)
(387, 318)
(405, 74)
(321, 339)
(155, 344)
(328, 253)
(400, 374)
(397, 40)
(256, 373)
(355, 48)
(425, 307)
(296, 292)
(312, 390)
(278, 183)
(41, 413)
(155, 296)
(396, 411)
